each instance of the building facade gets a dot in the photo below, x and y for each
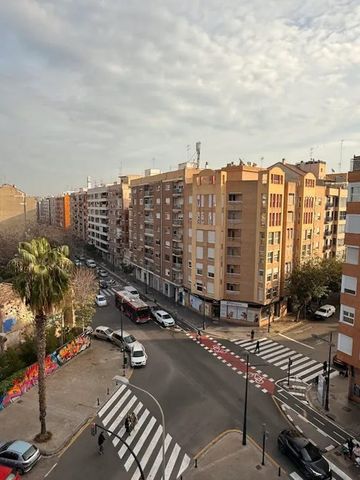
(79, 214)
(156, 229)
(98, 219)
(55, 211)
(17, 209)
(43, 211)
(348, 348)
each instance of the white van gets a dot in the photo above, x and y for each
(132, 290)
(138, 355)
(90, 263)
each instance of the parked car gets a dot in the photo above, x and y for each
(104, 333)
(304, 454)
(126, 340)
(132, 290)
(138, 357)
(20, 455)
(103, 284)
(164, 318)
(325, 311)
(82, 258)
(90, 263)
(7, 473)
(100, 301)
(103, 273)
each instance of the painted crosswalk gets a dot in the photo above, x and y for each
(108, 292)
(146, 440)
(302, 367)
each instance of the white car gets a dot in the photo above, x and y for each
(104, 333)
(126, 340)
(164, 318)
(100, 301)
(90, 263)
(325, 311)
(132, 290)
(138, 357)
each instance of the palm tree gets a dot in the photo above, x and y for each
(42, 278)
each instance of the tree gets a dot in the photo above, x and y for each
(332, 270)
(85, 287)
(42, 278)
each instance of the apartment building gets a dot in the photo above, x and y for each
(348, 348)
(156, 229)
(98, 219)
(118, 203)
(79, 214)
(55, 211)
(17, 209)
(43, 211)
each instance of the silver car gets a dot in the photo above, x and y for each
(126, 340)
(20, 455)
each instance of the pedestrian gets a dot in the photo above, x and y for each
(198, 336)
(257, 348)
(350, 447)
(252, 334)
(101, 441)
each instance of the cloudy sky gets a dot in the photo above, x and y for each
(95, 87)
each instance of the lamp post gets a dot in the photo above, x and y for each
(327, 395)
(264, 444)
(289, 371)
(122, 339)
(204, 316)
(118, 379)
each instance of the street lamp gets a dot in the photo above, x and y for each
(289, 371)
(327, 396)
(119, 379)
(122, 339)
(265, 433)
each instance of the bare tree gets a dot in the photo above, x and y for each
(85, 287)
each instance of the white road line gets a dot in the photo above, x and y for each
(244, 342)
(298, 394)
(282, 362)
(184, 465)
(121, 432)
(158, 460)
(273, 352)
(123, 412)
(51, 469)
(304, 365)
(111, 400)
(278, 357)
(109, 416)
(313, 375)
(295, 476)
(297, 362)
(296, 341)
(269, 346)
(140, 443)
(339, 472)
(308, 370)
(172, 460)
(338, 435)
(130, 439)
(148, 453)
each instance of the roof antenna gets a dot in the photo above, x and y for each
(198, 148)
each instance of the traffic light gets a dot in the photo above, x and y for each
(93, 429)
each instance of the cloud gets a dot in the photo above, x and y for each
(90, 85)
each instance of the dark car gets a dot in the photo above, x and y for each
(304, 454)
(103, 284)
(20, 455)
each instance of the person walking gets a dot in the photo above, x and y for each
(351, 445)
(257, 348)
(252, 334)
(101, 441)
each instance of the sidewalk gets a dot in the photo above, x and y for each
(228, 458)
(341, 410)
(73, 393)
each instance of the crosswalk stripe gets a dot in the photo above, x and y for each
(147, 454)
(298, 368)
(122, 430)
(244, 342)
(295, 476)
(184, 464)
(312, 376)
(269, 351)
(171, 462)
(270, 348)
(122, 414)
(272, 355)
(283, 355)
(297, 362)
(112, 412)
(130, 439)
(158, 460)
(264, 345)
(282, 362)
(111, 400)
(140, 443)
(316, 367)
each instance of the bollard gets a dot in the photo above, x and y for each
(279, 473)
(108, 390)
(98, 401)
(195, 462)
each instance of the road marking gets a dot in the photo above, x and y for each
(51, 469)
(297, 362)
(172, 460)
(338, 435)
(312, 376)
(117, 422)
(184, 465)
(140, 443)
(273, 352)
(296, 341)
(130, 439)
(307, 364)
(282, 362)
(122, 430)
(295, 476)
(111, 400)
(109, 416)
(338, 471)
(158, 460)
(311, 369)
(277, 357)
(148, 453)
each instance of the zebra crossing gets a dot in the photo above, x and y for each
(107, 292)
(302, 367)
(145, 440)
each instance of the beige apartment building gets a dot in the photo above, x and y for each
(348, 348)
(17, 209)
(156, 236)
(55, 211)
(79, 214)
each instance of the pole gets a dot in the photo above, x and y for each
(328, 376)
(127, 446)
(263, 445)
(246, 398)
(289, 371)
(269, 317)
(204, 317)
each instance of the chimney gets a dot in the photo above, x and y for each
(283, 161)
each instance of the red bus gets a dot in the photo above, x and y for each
(134, 308)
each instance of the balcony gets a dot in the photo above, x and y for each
(177, 238)
(149, 220)
(177, 278)
(178, 252)
(177, 222)
(177, 206)
(178, 191)
(148, 193)
(149, 231)
(148, 206)
(177, 267)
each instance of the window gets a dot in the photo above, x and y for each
(353, 223)
(199, 269)
(276, 255)
(190, 248)
(189, 263)
(352, 255)
(235, 197)
(347, 314)
(167, 257)
(158, 215)
(211, 271)
(291, 199)
(275, 274)
(345, 344)
(210, 288)
(167, 216)
(199, 252)
(190, 216)
(158, 201)
(233, 287)
(271, 238)
(167, 272)
(167, 200)
(190, 232)
(212, 201)
(270, 257)
(234, 251)
(354, 192)
(349, 285)
(211, 236)
(190, 199)
(167, 186)
(269, 275)
(211, 253)
(199, 235)
(277, 179)
(234, 215)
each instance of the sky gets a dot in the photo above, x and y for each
(109, 87)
